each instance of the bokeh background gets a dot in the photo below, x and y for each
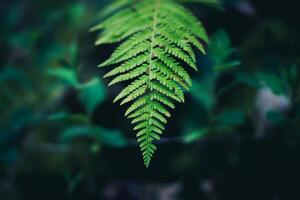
(236, 137)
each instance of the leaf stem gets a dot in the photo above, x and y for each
(148, 132)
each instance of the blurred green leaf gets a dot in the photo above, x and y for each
(231, 117)
(73, 49)
(248, 79)
(113, 6)
(76, 12)
(108, 137)
(226, 66)
(220, 52)
(194, 135)
(203, 96)
(65, 74)
(91, 94)
(111, 137)
(25, 39)
(62, 116)
(73, 132)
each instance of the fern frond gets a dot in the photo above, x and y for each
(156, 37)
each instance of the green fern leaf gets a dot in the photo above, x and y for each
(156, 37)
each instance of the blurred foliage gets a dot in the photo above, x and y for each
(62, 138)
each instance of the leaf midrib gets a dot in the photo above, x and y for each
(151, 52)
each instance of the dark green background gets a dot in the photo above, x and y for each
(61, 137)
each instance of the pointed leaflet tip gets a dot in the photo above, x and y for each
(115, 100)
(100, 41)
(95, 28)
(111, 83)
(109, 74)
(105, 63)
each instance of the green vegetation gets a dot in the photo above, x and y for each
(155, 34)
(234, 64)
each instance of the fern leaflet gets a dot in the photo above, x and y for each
(156, 37)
